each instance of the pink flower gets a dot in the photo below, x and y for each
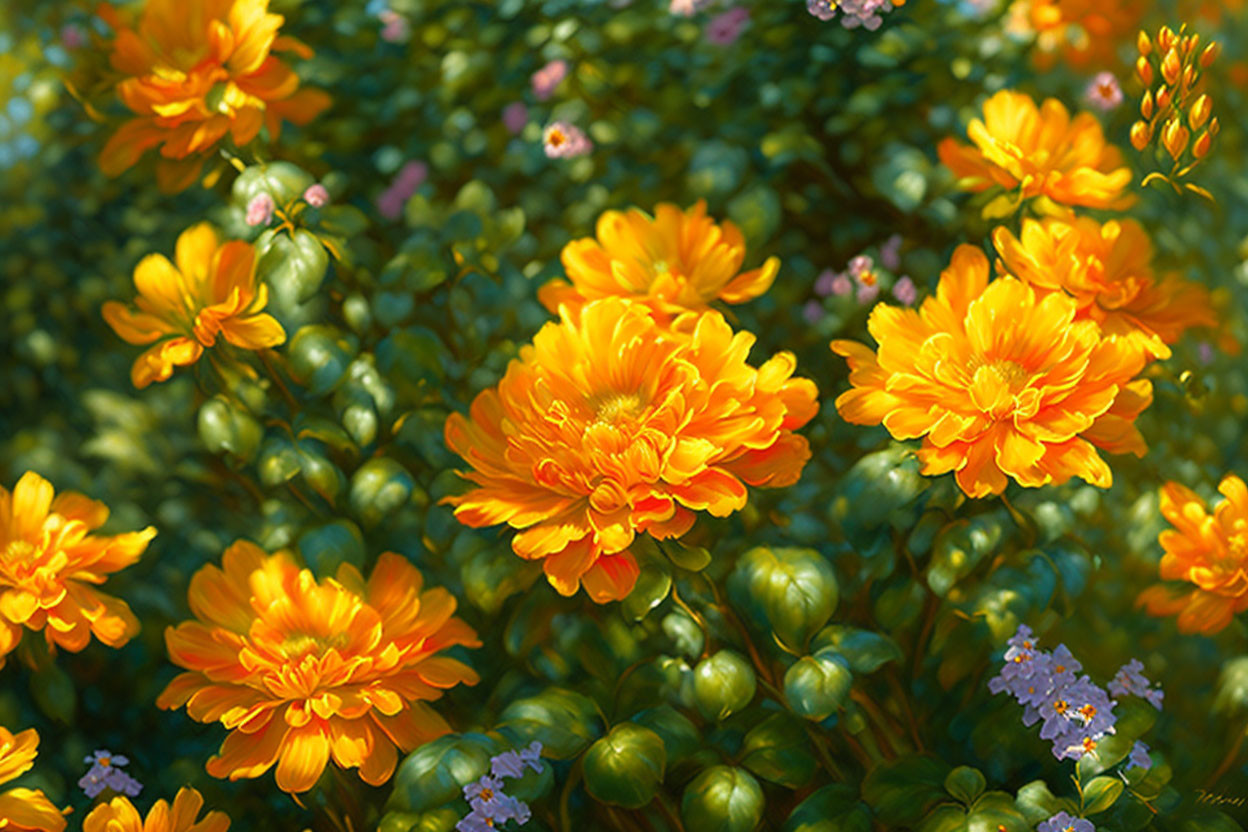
(1103, 92)
(724, 29)
(868, 292)
(890, 253)
(812, 312)
(411, 176)
(515, 117)
(905, 291)
(390, 204)
(860, 265)
(260, 209)
(686, 8)
(565, 141)
(396, 29)
(546, 79)
(316, 195)
(72, 36)
(822, 9)
(824, 283)
(842, 285)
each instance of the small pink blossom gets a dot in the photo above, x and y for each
(410, 177)
(1104, 92)
(842, 285)
(72, 36)
(868, 292)
(824, 282)
(515, 117)
(316, 195)
(687, 8)
(565, 141)
(260, 209)
(1205, 353)
(905, 291)
(860, 265)
(890, 253)
(396, 28)
(813, 312)
(546, 79)
(822, 9)
(724, 29)
(390, 204)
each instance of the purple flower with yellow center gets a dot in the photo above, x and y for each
(1063, 822)
(105, 773)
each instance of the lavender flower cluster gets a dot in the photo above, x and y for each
(854, 13)
(105, 773)
(1075, 712)
(491, 806)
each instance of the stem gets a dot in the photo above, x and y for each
(565, 814)
(1227, 761)
(277, 379)
(895, 682)
(929, 621)
(665, 808)
(880, 720)
(697, 619)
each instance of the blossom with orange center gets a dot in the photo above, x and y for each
(1107, 269)
(211, 292)
(194, 71)
(1039, 151)
(673, 261)
(24, 810)
(301, 671)
(50, 564)
(1084, 33)
(1207, 550)
(611, 424)
(999, 381)
(119, 815)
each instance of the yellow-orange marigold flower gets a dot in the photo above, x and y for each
(301, 671)
(50, 564)
(1085, 33)
(1207, 550)
(211, 292)
(195, 70)
(1108, 270)
(673, 261)
(999, 382)
(1039, 151)
(24, 810)
(611, 424)
(119, 815)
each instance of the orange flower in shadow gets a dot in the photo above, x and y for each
(302, 672)
(193, 72)
(51, 563)
(1085, 34)
(1209, 551)
(24, 810)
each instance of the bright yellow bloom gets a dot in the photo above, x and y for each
(300, 671)
(1039, 151)
(50, 564)
(1108, 270)
(673, 262)
(195, 70)
(1207, 550)
(119, 815)
(24, 810)
(998, 381)
(212, 291)
(610, 425)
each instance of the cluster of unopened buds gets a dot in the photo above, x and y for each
(1177, 113)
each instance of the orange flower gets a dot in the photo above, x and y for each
(195, 70)
(673, 262)
(1208, 550)
(50, 562)
(1085, 33)
(24, 810)
(610, 425)
(212, 291)
(998, 381)
(1039, 151)
(300, 671)
(119, 815)
(1108, 270)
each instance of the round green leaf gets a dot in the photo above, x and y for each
(626, 767)
(723, 684)
(965, 784)
(816, 686)
(436, 773)
(724, 799)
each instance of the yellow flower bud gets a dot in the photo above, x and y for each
(1144, 44)
(1163, 97)
(1200, 148)
(1171, 67)
(1201, 109)
(1146, 104)
(1145, 70)
(1165, 38)
(1189, 77)
(1141, 135)
(1210, 54)
(1214, 127)
(1174, 138)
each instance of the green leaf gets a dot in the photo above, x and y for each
(378, 488)
(693, 558)
(901, 791)
(626, 767)
(777, 749)
(834, 808)
(680, 736)
(994, 812)
(724, 799)
(436, 773)
(294, 266)
(1100, 794)
(945, 818)
(327, 546)
(816, 686)
(794, 590)
(865, 650)
(653, 585)
(564, 721)
(320, 355)
(723, 684)
(965, 784)
(1038, 804)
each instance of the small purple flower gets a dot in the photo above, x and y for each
(123, 783)
(260, 209)
(812, 312)
(485, 795)
(860, 265)
(316, 195)
(725, 28)
(824, 283)
(507, 764)
(105, 774)
(105, 758)
(822, 9)
(515, 117)
(1062, 822)
(868, 292)
(475, 821)
(411, 176)
(842, 285)
(532, 756)
(1205, 353)
(546, 79)
(904, 290)
(890, 253)
(1139, 756)
(1104, 92)
(1130, 681)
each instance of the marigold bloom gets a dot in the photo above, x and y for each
(195, 70)
(611, 425)
(999, 382)
(672, 261)
(1039, 151)
(1207, 550)
(1083, 33)
(300, 670)
(1108, 270)
(50, 564)
(24, 810)
(119, 815)
(212, 291)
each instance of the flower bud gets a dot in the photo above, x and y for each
(1163, 97)
(626, 767)
(1200, 148)
(1141, 135)
(1201, 109)
(320, 355)
(1171, 67)
(1144, 70)
(1210, 54)
(1189, 77)
(225, 427)
(723, 798)
(1187, 44)
(1144, 44)
(1146, 104)
(1214, 126)
(723, 684)
(378, 488)
(1174, 138)
(316, 195)
(1165, 38)
(260, 209)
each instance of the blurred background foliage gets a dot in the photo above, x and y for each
(815, 662)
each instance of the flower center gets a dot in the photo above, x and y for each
(105, 761)
(614, 407)
(301, 644)
(1060, 706)
(556, 138)
(18, 551)
(487, 794)
(1010, 373)
(1087, 712)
